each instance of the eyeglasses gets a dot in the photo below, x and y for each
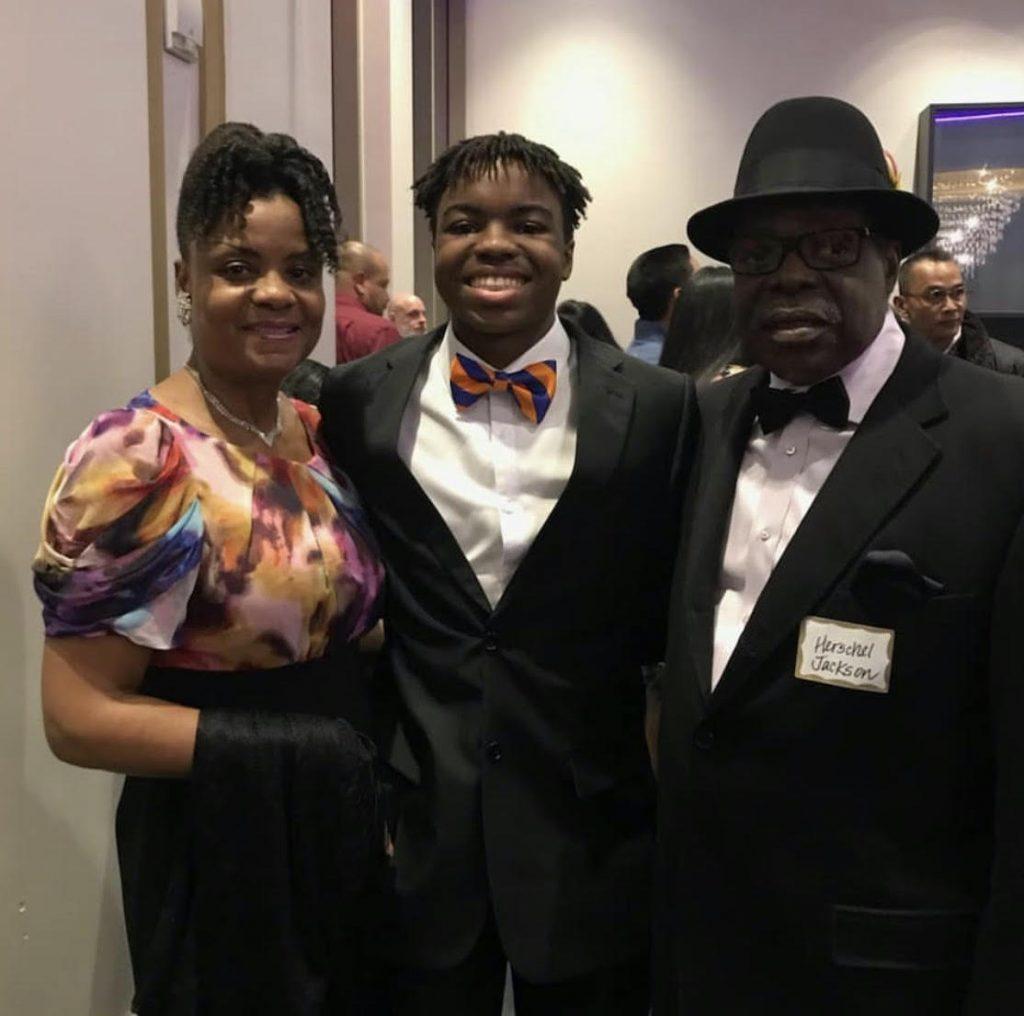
(825, 250)
(935, 296)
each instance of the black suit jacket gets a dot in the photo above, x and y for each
(977, 346)
(825, 850)
(520, 728)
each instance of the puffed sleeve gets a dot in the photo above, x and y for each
(122, 533)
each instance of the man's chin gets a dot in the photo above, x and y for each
(800, 363)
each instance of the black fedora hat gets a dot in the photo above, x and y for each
(815, 147)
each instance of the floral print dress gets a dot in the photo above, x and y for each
(215, 558)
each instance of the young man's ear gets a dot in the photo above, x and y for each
(570, 250)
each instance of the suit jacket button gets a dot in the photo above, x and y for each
(704, 738)
(493, 751)
(490, 641)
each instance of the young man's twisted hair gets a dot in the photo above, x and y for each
(237, 162)
(485, 155)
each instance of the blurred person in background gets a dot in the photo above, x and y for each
(360, 299)
(653, 283)
(932, 301)
(407, 313)
(700, 340)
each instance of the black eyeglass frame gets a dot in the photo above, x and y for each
(943, 295)
(793, 243)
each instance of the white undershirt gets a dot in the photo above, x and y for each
(779, 478)
(492, 474)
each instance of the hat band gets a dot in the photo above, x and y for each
(811, 170)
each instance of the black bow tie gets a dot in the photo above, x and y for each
(827, 400)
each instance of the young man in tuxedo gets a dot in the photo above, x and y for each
(841, 785)
(524, 483)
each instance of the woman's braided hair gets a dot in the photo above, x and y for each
(483, 155)
(237, 162)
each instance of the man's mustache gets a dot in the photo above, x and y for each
(790, 315)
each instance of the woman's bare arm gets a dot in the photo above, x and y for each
(94, 716)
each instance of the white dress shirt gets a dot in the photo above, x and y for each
(492, 474)
(778, 480)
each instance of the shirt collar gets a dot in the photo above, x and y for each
(348, 300)
(553, 345)
(647, 331)
(864, 377)
(956, 339)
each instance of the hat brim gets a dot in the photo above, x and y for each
(900, 215)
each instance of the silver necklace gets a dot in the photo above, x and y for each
(268, 437)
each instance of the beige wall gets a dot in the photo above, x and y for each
(76, 336)
(653, 100)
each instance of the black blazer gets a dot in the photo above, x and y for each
(835, 851)
(521, 728)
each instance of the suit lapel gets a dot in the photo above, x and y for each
(885, 460)
(604, 406)
(404, 503)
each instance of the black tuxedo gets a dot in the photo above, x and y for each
(521, 727)
(834, 851)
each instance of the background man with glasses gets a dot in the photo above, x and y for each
(841, 785)
(932, 300)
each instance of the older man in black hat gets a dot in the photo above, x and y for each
(841, 790)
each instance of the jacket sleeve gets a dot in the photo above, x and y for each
(659, 584)
(332, 403)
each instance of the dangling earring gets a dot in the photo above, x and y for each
(184, 307)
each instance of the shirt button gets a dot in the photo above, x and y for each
(493, 752)
(791, 450)
(763, 535)
(704, 738)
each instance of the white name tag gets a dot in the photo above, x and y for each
(845, 655)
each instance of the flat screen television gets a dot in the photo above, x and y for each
(970, 166)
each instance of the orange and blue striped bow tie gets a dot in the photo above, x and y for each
(533, 387)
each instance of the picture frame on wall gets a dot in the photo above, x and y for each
(970, 166)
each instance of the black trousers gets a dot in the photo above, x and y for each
(476, 986)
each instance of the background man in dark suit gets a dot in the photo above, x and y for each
(523, 481)
(932, 300)
(841, 787)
